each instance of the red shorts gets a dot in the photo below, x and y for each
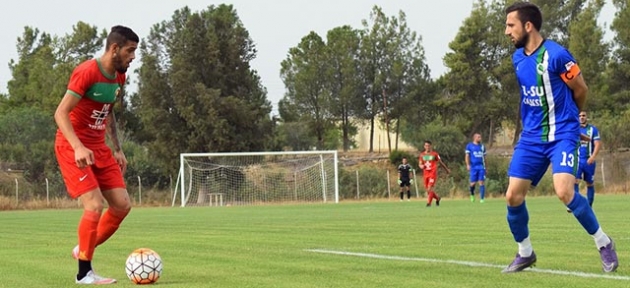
(429, 179)
(105, 173)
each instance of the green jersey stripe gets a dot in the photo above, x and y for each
(551, 105)
(541, 68)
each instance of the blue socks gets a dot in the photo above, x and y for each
(482, 191)
(518, 219)
(590, 194)
(583, 213)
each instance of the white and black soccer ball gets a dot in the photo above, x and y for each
(143, 266)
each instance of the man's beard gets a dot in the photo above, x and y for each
(520, 43)
(119, 65)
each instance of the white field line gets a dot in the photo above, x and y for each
(469, 263)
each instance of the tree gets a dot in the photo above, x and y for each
(421, 110)
(292, 133)
(406, 75)
(591, 52)
(342, 79)
(45, 62)
(4, 102)
(614, 130)
(296, 136)
(393, 69)
(472, 81)
(373, 60)
(197, 90)
(304, 76)
(618, 70)
(40, 77)
(33, 72)
(26, 140)
(447, 139)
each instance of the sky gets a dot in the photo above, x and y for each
(274, 25)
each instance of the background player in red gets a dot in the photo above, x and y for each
(90, 170)
(428, 162)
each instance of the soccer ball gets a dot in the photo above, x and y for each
(143, 266)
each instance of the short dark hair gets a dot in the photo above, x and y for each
(120, 35)
(428, 142)
(527, 12)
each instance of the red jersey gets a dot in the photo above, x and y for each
(98, 91)
(428, 161)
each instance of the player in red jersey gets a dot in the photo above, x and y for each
(90, 170)
(428, 162)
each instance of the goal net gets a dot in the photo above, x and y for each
(254, 178)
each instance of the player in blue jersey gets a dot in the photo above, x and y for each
(476, 166)
(553, 91)
(588, 153)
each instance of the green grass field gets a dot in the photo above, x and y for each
(268, 246)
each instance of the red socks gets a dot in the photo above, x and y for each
(109, 224)
(87, 234)
(432, 196)
(93, 232)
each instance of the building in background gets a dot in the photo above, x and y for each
(362, 139)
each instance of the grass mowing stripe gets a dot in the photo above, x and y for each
(467, 263)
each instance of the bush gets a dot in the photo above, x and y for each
(347, 184)
(457, 181)
(613, 129)
(372, 183)
(497, 178)
(141, 163)
(396, 158)
(496, 175)
(447, 140)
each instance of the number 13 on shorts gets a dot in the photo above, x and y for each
(568, 159)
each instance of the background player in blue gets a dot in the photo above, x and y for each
(476, 166)
(405, 179)
(588, 153)
(552, 93)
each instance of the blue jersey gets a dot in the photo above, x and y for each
(587, 147)
(476, 152)
(548, 111)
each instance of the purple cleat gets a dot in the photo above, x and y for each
(609, 257)
(520, 263)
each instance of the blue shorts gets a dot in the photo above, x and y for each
(531, 160)
(477, 174)
(586, 172)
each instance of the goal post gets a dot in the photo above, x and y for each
(255, 178)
